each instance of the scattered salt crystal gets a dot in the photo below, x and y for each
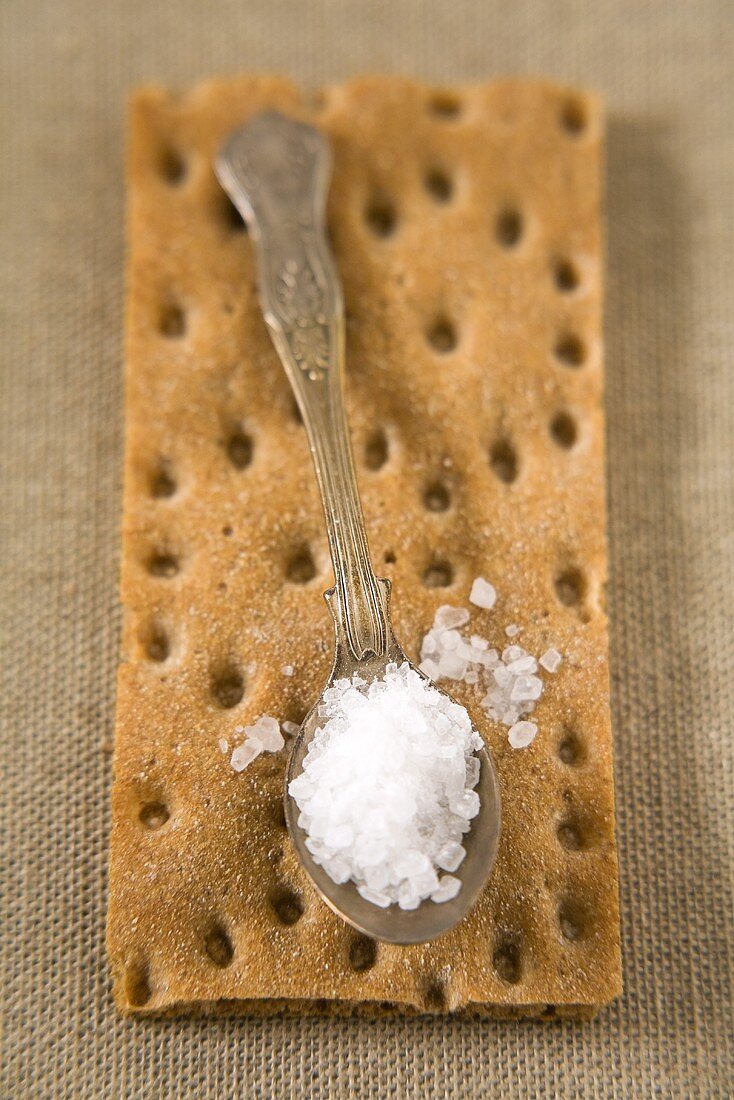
(513, 653)
(522, 734)
(448, 617)
(244, 754)
(450, 639)
(512, 630)
(403, 738)
(430, 645)
(483, 594)
(223, 745)
(290, 729)
(451, 666)
(447, 889)
(239, 729)
(471, 677)
(429, 668)
(287, 670)
(523, 664)
(526, 688)
(550, 660)
(478, 643)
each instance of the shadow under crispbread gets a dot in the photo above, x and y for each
(474, 383)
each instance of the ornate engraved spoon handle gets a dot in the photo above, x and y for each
(276, 171)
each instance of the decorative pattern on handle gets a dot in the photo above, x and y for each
(276, 171)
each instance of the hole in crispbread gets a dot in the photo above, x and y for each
(138, 989)
(389, 557)
(434, 998)
(570, 587)
(162, 563)
(563, 430)
(227, 686)
(301, 567)
(439, 574)
(437, 497)
(287, 906)
(162, 483)
(548, 1012)
(172, 166)
(508, 228)
(376, 450)
(566, 276)
(227, 531)
(503, 460)
(572, 920)
(441, 335)
(380, 217)
(570, 748)
(239, 449)
(156, 643)
(362, 954)
(570, 350)
(507, 959)
(438, 184)
(231, 217)
(277, 814)
(574, 116)
(153, 815)
(444, 104)
(218, 946)
(172, 320)
(571, 835)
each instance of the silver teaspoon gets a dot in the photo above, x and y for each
(277, 171)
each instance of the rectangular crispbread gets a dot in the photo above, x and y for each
(467, 228)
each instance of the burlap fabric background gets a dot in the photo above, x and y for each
(667, 73)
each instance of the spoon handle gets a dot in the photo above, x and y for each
(276, 171)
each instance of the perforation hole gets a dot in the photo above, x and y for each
(570, 749)
(153, 815)
(509, 227)
(376, 450)
(380, 217)
(445, 104)
(503, 460)
(438, 184)
(287, 906)
(570, 587)
(227, 686)
(563, 430)
(138, 989)
(571, 835)
(362, 954)
(389, 557)
(301, 568)
(437, 497)
(156, 643)
(439, 574)
(218, 946)
(441, 335)
(172, 321)
(572, 920)
(566, 276)
(507, 959)
(434, 998)
(172, 166)
(239, 449)
(574, 116)
(570, 350)
(162, 483)
(233, 220)
(162, 563)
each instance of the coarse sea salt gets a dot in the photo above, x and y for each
(510, 678)
(263, 736)
(386, 792)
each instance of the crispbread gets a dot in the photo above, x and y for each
(466, 225)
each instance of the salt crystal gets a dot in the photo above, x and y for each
(478, 643)
(471, 677)
(483, 594)
(450, 639)
(244, 754)
(523, 664)
(448, 617)
(429, 668)
(451, 666)
(287, 670)
(291, 729)
(526, 688)
(513, 653)
(223, 745)
(550, 660)
(447, 889)
(450, 856)
(512, 630)
(430, 645)
(522, 734)
(375, 896)
(266, 731)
